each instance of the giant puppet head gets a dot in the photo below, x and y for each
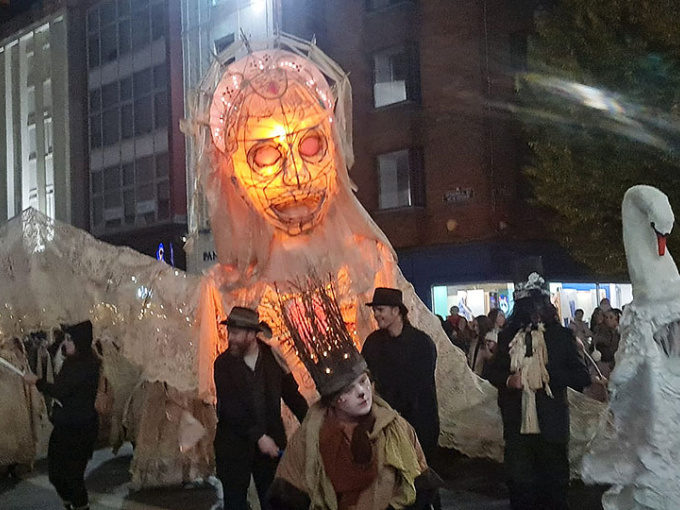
(272, 134)
(271, 116)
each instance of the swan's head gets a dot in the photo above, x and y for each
(650, 210)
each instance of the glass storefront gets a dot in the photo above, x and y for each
(475, 299)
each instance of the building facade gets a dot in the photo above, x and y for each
(135, 103)
(42, 137)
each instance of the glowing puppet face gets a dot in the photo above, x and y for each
(277, 133)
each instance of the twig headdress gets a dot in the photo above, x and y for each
(320, 336)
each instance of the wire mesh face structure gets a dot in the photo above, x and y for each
(272, 116)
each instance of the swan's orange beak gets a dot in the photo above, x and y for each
(661, 240)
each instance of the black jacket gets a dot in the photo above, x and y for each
(75, 389)
(249, 402)
(566, 369)
(403, 370)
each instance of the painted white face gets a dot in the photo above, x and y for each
(385, 316)
(68, 347)
(357, 399)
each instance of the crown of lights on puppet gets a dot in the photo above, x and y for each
(535, 284)
(271, 87)
(320, 336)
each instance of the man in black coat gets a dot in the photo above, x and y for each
(250, 382)
(74, 417)
(537, 464)
(402, 362)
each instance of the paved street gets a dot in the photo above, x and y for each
(470, 484)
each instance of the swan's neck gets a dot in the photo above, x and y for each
(649, 273)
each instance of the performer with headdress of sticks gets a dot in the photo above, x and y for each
(352, 451)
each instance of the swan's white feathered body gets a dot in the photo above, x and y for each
(638, 451)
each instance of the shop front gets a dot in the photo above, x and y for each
(473, 299)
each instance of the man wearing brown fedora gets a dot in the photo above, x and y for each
(250, 382)
(402, 361)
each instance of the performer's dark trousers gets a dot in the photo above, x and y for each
(236, 459)
(69, 450)
(538, 473)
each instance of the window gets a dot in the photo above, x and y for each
(110, 95)
(141, 29)
(401, 183)
(126, 89)
(93, 20)
(95, 131)
(31, 101)
(223, 42)
(48, 135)
(373, 5)
(32, 142)
(47, 95)
(93, 51)
(142, 83)
(111, 126)
(144, 170)
(396, 76)
(109, 43)
(143, 119)
(157, 21)
(96, 182)
(95, 100)
(124, 40)
(126, 121)
(160, 110)
(159, 77)
(108, 13)
(123, 8)
(162, 165)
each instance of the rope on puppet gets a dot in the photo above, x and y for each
(529, 356)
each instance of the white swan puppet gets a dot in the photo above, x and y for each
(638, 451)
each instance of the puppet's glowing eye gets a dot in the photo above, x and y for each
(266, 156)
(310, 146)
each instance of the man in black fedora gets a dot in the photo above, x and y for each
(250, 382)
(402, 361)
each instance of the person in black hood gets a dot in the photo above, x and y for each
(74, 417)
(535, 361)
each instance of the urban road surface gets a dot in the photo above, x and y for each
(470, 484)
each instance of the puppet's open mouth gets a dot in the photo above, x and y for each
(298, 208)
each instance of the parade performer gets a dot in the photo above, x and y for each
(75, 419)
(250, 383)
(353, 451)
(402, 361)
(637, 453)
(535, 362)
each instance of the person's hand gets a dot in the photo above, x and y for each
(515, 381)
(30, 378)
(267, 446)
